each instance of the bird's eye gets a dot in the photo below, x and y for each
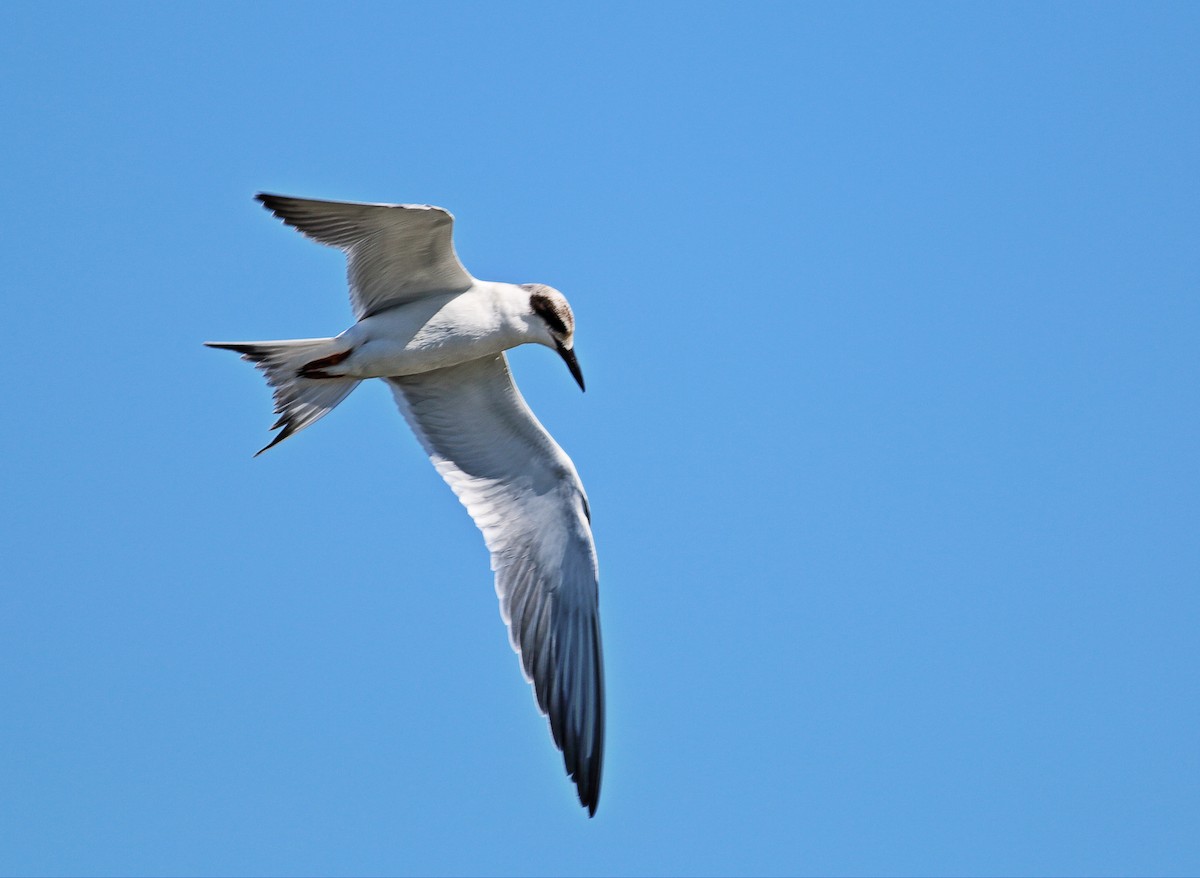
(544, 308)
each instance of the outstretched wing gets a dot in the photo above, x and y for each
(524, 494)
(394, 252)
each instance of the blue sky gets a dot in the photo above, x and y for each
(889, 316)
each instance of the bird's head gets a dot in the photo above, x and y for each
(551, 308)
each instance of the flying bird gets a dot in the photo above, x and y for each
(437, 336)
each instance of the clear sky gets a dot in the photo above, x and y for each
(890, 317)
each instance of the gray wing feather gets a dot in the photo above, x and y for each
(394, 252)
(524, 494)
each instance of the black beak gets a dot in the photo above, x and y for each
(568, 356)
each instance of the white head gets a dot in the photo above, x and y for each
(550, 307)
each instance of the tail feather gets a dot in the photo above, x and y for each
(303, 393)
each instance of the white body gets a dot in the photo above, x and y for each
(439, 331)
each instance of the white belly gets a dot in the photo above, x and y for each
(428, 334)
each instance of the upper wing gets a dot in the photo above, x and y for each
(524, 494)
(395, 252)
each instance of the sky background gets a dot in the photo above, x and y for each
(890, 317)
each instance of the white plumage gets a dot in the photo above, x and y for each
(437, 336)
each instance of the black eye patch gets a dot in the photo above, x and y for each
(544, 308)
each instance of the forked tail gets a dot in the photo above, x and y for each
(303, 392)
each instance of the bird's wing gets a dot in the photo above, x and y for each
(394, 252)
(524, 494)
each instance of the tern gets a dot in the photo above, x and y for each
(437, 336)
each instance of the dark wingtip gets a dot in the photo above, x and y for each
(271, 202)
(587, 785)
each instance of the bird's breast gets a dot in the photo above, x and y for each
(428, 334)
